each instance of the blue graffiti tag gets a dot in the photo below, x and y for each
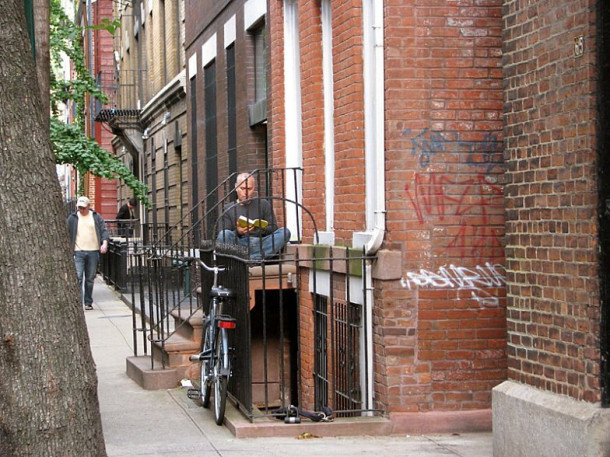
(486, 153)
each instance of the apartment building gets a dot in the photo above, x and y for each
(458, 148)
(402, 104)
(98, 57)
(147, 109)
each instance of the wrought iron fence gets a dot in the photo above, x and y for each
(155, 271)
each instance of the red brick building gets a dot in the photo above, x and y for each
(456, 142)
(556, 146)
(100, 60)
(394, 112)
(401, 105)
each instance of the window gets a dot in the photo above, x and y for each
(260, 65)
(231, 110)
(193, 145)
(211, 146)
(258, 110)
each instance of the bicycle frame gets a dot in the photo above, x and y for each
(215, 355)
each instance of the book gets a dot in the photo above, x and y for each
(243, 221)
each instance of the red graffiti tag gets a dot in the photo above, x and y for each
(473, 205)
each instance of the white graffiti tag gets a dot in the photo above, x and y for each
(475, 279)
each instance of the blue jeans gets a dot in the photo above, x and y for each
(268, 246)
(86, 266)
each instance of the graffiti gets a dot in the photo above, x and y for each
(476, 280)
(485, 154)
(464, 209)
(472, 206)
(441, 196)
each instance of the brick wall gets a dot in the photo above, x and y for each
(173, 54)
(443, 329)
(312, 105)
(440, 332)
(349, 119)
(103, 190)
(276, 95)
(551, 198)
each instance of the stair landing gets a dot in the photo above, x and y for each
(268, 427)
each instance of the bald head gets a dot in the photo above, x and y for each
(244, 186)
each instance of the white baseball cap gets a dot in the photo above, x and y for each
(82, 202)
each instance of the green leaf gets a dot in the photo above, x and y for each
(70, 143)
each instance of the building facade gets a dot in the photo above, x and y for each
(401, 105)
(147, 109)
(227, 91)
(458, 145)
(98, 58)
(555, 123)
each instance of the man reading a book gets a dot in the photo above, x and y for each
(250, 222)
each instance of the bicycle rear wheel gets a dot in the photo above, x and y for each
(221, 370)
(206, 363)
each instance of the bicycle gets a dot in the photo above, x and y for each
(215, 355)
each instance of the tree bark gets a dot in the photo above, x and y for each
(48, 385)
(42, 13)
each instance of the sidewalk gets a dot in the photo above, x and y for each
(145, 423)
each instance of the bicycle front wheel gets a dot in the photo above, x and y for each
(221, 371)
(206, 363)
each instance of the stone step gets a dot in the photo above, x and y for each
(178, 343)
(189, 326)
(151, 376)
(267, 427)
(176, 350)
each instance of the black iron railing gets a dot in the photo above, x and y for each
(155, 271)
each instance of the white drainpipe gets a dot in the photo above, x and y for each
(375, 161)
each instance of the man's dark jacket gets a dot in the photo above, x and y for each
(100, 227)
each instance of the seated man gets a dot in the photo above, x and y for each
(261, 241)
(126, 212)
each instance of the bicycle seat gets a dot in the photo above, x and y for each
(221, 292)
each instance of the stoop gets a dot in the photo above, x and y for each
(140, 371)
(175, 351)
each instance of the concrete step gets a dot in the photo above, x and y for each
(189, 326)
(176, 350)
(151, 377)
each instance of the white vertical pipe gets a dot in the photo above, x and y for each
(374, 158)
(292, 112)
(329, 108)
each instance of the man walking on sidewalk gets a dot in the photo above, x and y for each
(88, 238)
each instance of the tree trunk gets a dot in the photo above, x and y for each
(42, 13)
(48, 386)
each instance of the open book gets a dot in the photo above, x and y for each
(243, 221)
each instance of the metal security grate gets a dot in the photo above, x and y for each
(346, 330)
(337, 356)
(320, 352)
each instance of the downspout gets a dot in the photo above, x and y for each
(374, 161)
(374, 124)
(292, 110)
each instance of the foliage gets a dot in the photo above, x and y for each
(77, 148)
(70, 143)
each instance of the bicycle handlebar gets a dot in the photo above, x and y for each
(215, 269)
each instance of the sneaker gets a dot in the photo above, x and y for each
(89, 306)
